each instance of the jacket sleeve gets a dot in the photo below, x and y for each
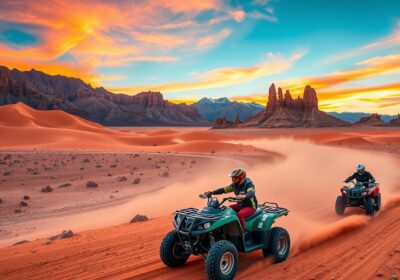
(226, 189)
(250, 192)
(371, 178)
(352, 177)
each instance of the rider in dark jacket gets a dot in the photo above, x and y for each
(362, 176)
(244, 190)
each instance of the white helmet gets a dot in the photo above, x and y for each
(360, 168)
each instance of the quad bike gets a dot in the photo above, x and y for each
(215, 234)
(368, 198)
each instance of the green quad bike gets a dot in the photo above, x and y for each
(215, 234)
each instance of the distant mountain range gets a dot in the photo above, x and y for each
(211, 108)
(45, 92)
(356, 116)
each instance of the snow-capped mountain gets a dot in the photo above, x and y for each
(213, 108)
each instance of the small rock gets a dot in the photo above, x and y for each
(23, 204)
(18, 211)
(394, 277)
(98, 166)
(113, 165)
(193, 162)
(26, 197)
(91, 184)
(48, 243)
(109, 174)
(7, 173)
(122, 179)
(380, 274)
(213, 152)
(165, 174)
(65, 185)
(64, 234)
(86, 160)
(20, 242)
(1, 200)
(53, 177)
(136, 181)
(139, 218)
(47, 189)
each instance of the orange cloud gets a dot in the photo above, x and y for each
(221, 77)
(105, 33)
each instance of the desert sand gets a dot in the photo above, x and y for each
(301, 169)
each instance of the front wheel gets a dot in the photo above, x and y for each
(370, 206)
(279, 245)
(378, 202)
(172, 253)
(340, 205)
(222, 261)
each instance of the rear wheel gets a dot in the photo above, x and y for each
(171, 251)
(340, 205)
(378, 202)
(222, 261)
(370, 206)
(279, 245)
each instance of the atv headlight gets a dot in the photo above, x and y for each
(207, 225)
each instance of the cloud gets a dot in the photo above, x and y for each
(222, 77)
(381, 44)
(99, 33)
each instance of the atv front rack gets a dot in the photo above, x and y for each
(194, 213)
(272, 207)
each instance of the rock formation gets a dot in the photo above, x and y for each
(284, 111)
(395, 122)
(371, 120)
(224, 123)
(45, 92)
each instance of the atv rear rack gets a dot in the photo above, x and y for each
(194, 213)
(272, 207)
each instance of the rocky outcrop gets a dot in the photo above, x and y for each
(284, 111)
(371, 120)
(224, 123)
(45, 92)
(395, 122)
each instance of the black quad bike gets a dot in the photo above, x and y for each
(215, 234)
(359, 195)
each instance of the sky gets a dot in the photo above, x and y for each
(349, 51)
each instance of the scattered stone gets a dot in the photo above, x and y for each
(111, 196)
(157, 167)
(27, 197)
(7, 173)
(47, 189)
(394, 277)
(213, 152)
(48, 243)
(18, 211)
(109, 174)
(23, 204)
(81, 168)
(122, 179)
(136, 181)
(91, 184)
(64, 234)
(21, 242)
(165, 174)
(193, 162)
(139, 218)
(113, 165)
(149, 158)
(65, 185)
(380, 274)
(99, 166)
(86, 160)
(53, 177)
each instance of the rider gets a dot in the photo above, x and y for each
(362, 176)
(244, 190)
